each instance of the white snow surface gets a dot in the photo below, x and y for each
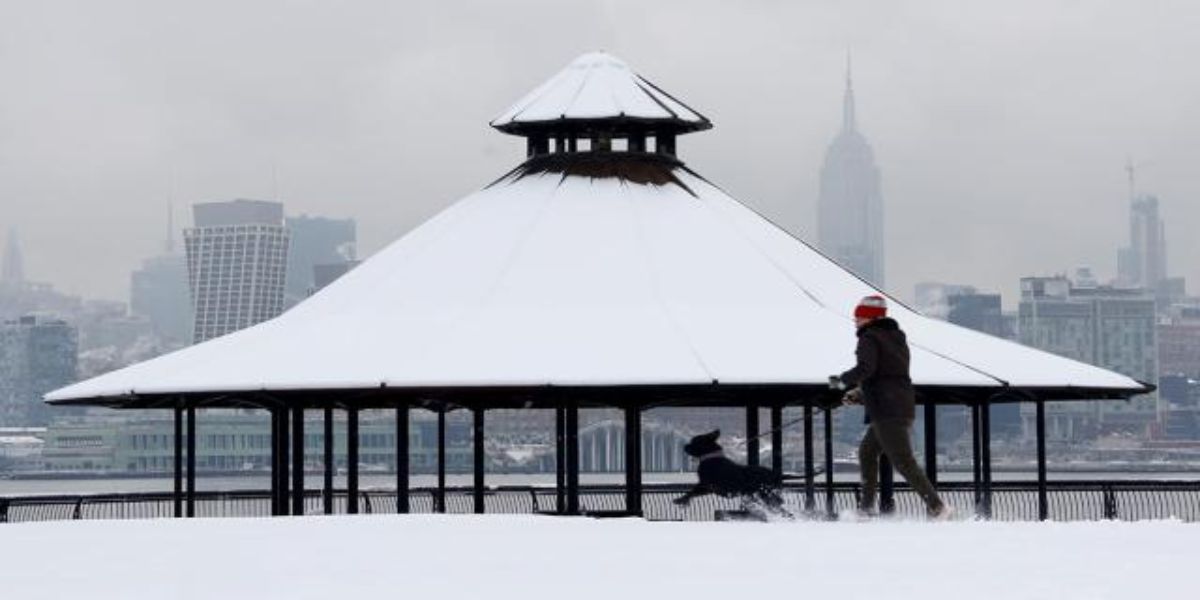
(596, 85)
(542, 280)
(522, 557)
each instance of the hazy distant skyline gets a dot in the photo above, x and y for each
(1001, 130)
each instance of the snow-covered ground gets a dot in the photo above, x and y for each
(525, 557)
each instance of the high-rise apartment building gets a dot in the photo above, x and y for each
(850, 206)
(316, 242)
(1114, 328)
(237, 265)
(37, 355)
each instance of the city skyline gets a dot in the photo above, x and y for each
(977, 120)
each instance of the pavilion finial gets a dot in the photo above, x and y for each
(598, 98)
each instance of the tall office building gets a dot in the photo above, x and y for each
(1143, 264)
(317, 244)
(159, 292)
(1114, 328)
(12, 270)
(850, 207)
(237, 265)
(37, 355)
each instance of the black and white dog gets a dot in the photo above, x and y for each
(723, 477)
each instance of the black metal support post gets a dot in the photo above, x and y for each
(572, 457)
(830, 511)
(633, 460)
(298, 461)
(985, 441)
(1043, 502)
(191, 461)
(352, 461)
(777, 440)
(477, 443)
(274, 412)
(931, 440)
(887, 486)
(177, 497)
(810, 470)
(402, 462)
(439, 497)
(976, 471)
(327, 489)
(752, 447)
(560, 460)
(284, 461)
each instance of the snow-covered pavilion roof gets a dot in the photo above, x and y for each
(635, 273)
(597, 87)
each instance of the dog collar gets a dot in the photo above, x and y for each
(714, 454)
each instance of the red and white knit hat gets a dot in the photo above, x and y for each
(871, 307)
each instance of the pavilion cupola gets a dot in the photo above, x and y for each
(597, 104)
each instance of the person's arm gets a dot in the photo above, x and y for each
(868, 359)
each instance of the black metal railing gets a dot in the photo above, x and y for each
(1010, 501)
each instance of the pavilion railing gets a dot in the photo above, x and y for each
(1010, 501)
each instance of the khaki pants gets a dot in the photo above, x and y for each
(891, 437)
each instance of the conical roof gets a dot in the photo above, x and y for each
(580, 272)
(598, 88)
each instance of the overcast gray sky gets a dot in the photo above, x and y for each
(1001, 128)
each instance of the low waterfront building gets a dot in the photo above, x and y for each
(237, 441)
(1114, 328)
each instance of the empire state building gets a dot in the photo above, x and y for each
(850, 207)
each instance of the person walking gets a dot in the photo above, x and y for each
(880, 381)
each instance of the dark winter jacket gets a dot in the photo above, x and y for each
(882, 371)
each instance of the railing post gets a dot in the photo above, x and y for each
(810, 471)
(77, 512)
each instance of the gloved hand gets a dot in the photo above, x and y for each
(836, 383)
(853, 396)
